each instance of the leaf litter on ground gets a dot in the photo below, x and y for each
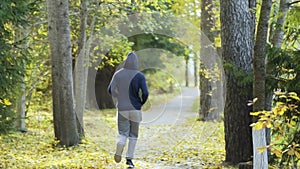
(189, 144)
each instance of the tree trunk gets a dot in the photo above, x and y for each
(21, 100)
(91, 102)
(237, 32)
(80, 69)
(21, 112)
(195, 70)
(186, 71)
(207, 39)
(277, 37)
(276, 41)
(205, 95)
(65, 127)
(102, 81)
(260, 160)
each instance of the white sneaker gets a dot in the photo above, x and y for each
(129, 163)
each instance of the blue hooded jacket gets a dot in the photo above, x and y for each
(128, 86)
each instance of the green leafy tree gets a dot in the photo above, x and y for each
(12, 57)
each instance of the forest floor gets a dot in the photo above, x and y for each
(170, 138)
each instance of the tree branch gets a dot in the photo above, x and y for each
(291, 3)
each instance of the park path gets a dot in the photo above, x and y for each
(160, 131)
(159, 128)
(174, 111)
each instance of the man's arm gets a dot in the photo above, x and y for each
(145, 92)
(112, 88)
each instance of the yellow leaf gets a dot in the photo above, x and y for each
(295, 98)
(297, 154)
(280, 109)
(261, 149)
(259, 125)
(279, 93)
(277, 153)
(282, 96)
(292, 107)
(294, 117)
(269, 124)
(255, 113)
(295, 145)
(251, 102)
(293, 94)
(6, 102)
(291, 152)
(293, 123)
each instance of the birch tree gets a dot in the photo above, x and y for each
(20, 102)
(278, 32)
(260, 160)
(276, 40)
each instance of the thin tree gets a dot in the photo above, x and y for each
(65, 127)
(260, 160)
(80, 69)
(20, 124)
(207, 40)
(237, 34)
(277, 36)
(276, 39)
(187, 58)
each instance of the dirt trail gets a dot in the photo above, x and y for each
(174, 111)
(160, 125)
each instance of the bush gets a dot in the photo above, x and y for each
(12, 57)
(6, 116)
(284, 122)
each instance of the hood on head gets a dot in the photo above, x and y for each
(131, 61)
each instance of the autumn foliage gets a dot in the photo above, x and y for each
(284, 122)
